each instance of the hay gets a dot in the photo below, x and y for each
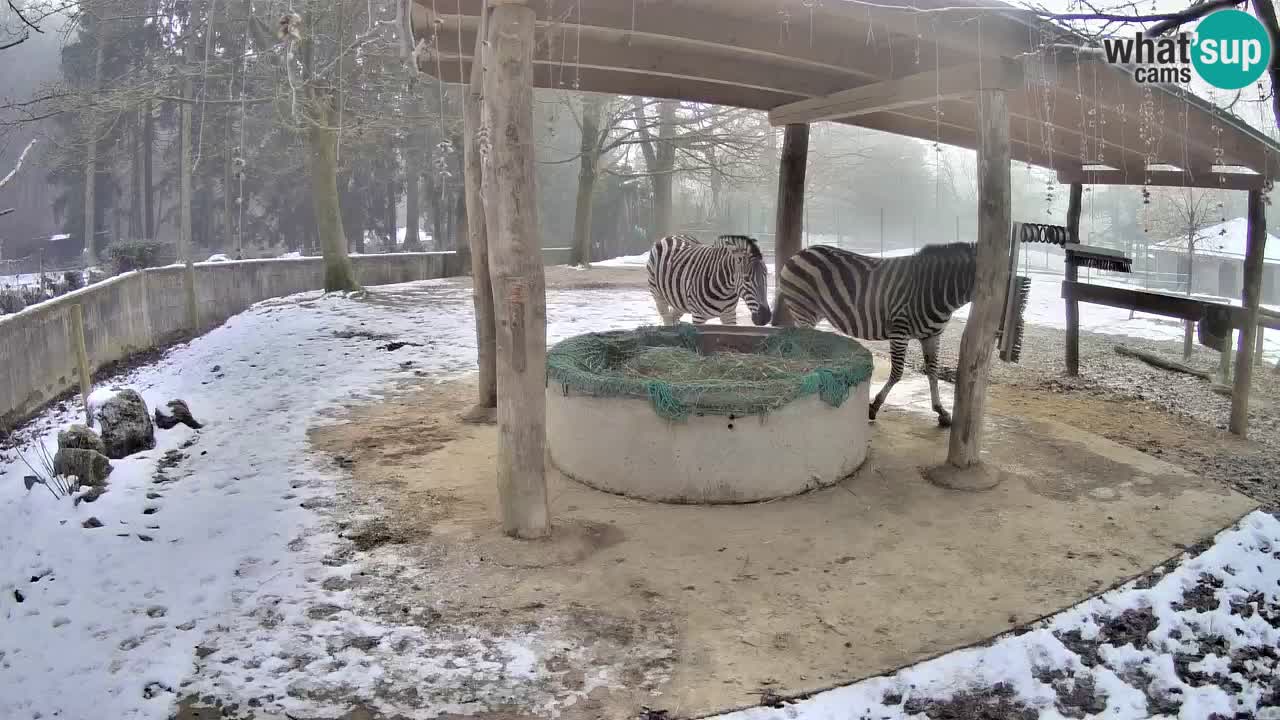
(663, 365)
(678, 365)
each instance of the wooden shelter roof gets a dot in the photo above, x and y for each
(805, 60)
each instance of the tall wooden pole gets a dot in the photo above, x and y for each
(1074, 203)
(1249, 298)
(789, 224)
(994, 220)
(515, 256)
(477, 241)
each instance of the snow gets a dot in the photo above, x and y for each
(1225, 239)
(114, 613)
(218, 257)
(626, 261)
(111, 617)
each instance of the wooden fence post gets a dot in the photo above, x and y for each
(82, 358)
(1074, 202)
(515, 254)
(1250, 297)
(994, 221)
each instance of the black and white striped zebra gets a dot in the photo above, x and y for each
(687, 276)
(896, 299)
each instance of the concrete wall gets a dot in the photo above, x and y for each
(140, 310)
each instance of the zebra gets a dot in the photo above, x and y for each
(896, 299)
(689, 276)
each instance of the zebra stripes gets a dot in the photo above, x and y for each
(687, 276)
(896, 299)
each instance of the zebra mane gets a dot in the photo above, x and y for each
(741, 242)
(948, 250)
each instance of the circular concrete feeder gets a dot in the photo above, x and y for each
(621, 445)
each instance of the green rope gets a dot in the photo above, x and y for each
(663, 366)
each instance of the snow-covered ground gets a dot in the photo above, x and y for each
(215, 527)
(109, 618)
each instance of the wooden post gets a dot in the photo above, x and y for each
(881, 232)
(1224, 358)
(789, 219)
(1073, 274)
(1258, 346)
(82, 358)
(1250, 296)
(519, 293)
(477, 240)
(994, 220)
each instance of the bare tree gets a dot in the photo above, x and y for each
(1186, 212)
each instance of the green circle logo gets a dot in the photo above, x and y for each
(1231, 49)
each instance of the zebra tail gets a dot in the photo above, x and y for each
(778, 312)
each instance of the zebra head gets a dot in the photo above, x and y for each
(754, 281)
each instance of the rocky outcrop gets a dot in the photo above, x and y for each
(178, 413)
(90, 467)
(79, 437)
(126, 425)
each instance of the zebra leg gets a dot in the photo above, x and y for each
(930, 347)
(898, 354)
(665, 310)
(699, 319)
(730, 316)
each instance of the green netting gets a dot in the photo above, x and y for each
(664, 365)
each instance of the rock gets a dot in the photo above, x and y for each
(91, 523)
(180, 414)
(90, 466)
(126, 425)
(79, 437)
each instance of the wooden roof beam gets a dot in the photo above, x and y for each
(563, 55)
(828, 48)
(919, 89)
(1164, 178)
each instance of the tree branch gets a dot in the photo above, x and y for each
(13, 173)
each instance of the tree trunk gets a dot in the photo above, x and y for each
(1188, 327)
(458, 228)
(518, 284)
(588, 161)
(184, 211)
(91, 162)
(323, 156)
(135, 181)
(477, 239)
(992, 278)
(148, 191)
(789, 223)
(389, 216)
(412, 194)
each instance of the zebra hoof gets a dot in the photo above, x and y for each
(944, 421)
(871, 413)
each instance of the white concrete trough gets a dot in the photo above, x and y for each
(620, 443)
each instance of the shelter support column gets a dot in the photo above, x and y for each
(515, 257)
(1249, 298)
(789, 226)
(477, 240)
(1074, 202)
(978, 341)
